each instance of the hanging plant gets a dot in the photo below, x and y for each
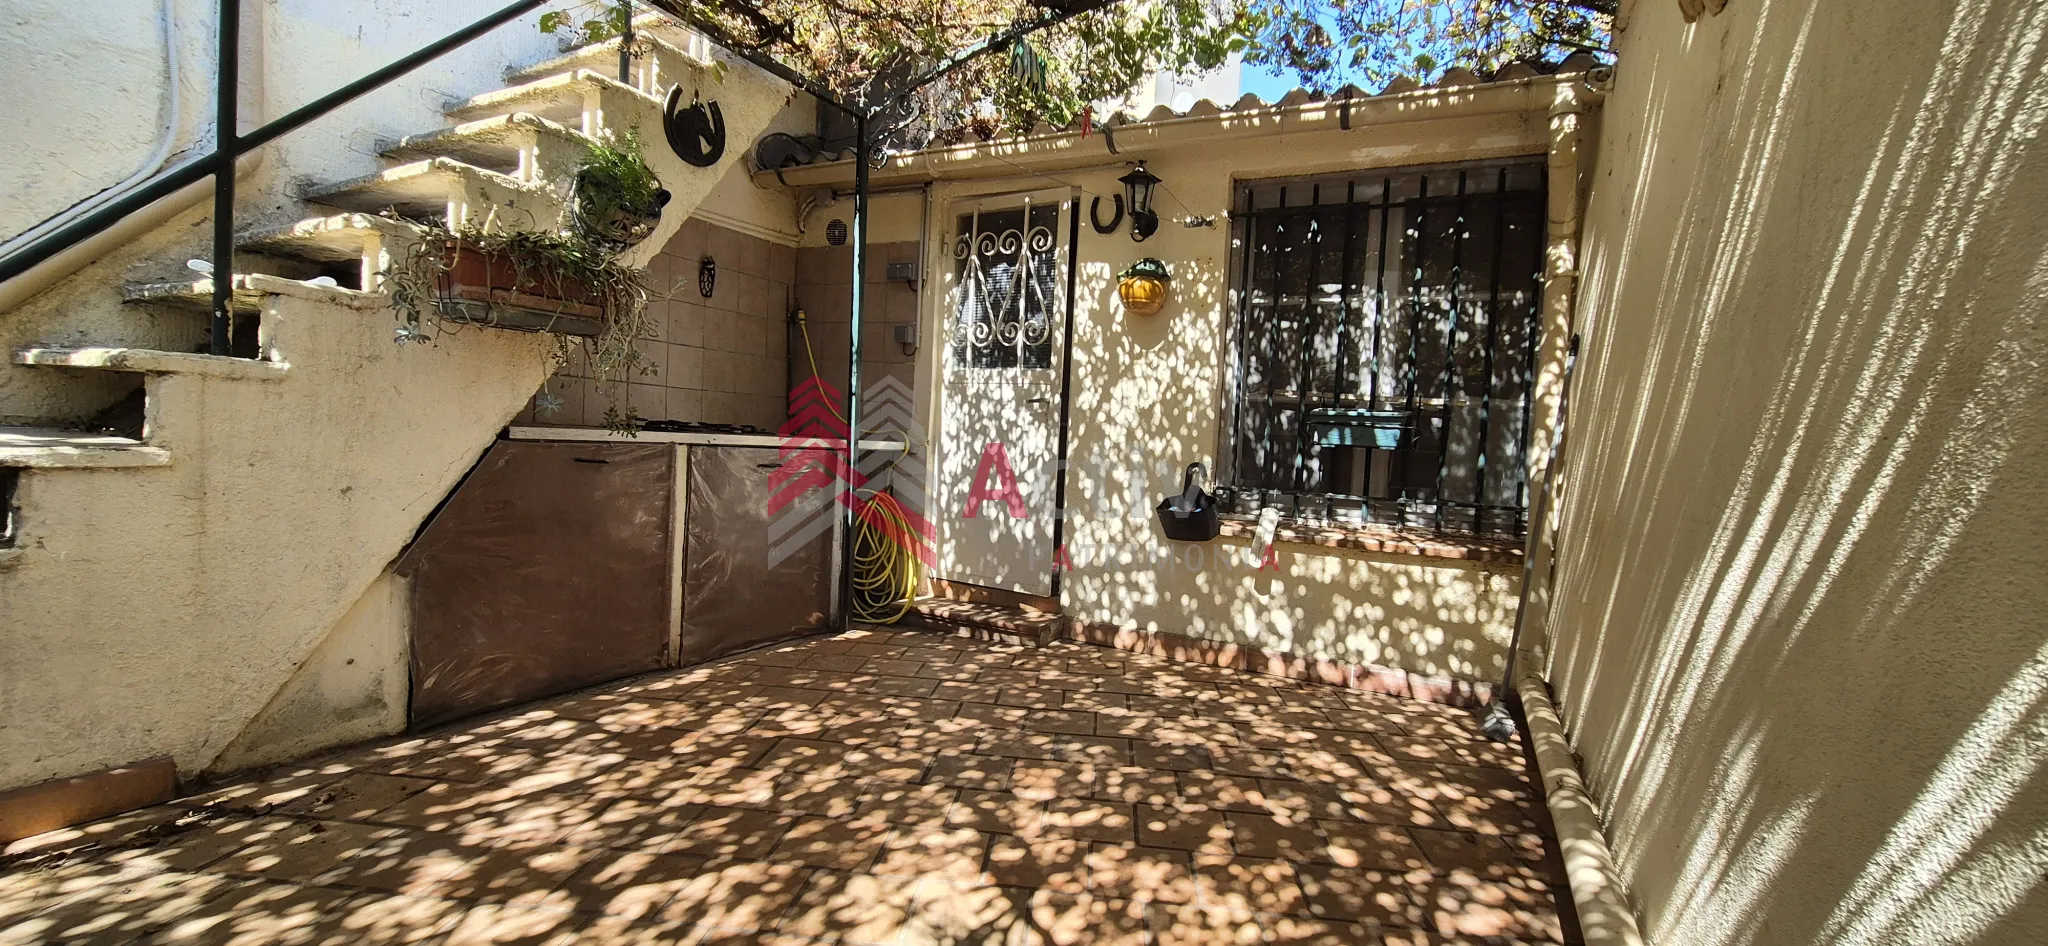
(616, 199)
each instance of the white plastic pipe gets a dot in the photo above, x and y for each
(173, 114)
(1605, 918)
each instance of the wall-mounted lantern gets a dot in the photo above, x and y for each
(1142, 286)
(1138, 187)
(707, 277)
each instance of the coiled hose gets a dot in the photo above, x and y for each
(885, 566)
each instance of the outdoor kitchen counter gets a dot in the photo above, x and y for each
(692, 438)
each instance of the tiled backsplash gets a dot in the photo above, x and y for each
(720, 359)
(824, 290)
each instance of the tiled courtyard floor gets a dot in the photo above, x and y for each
(869, 788)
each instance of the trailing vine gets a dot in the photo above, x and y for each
(578, 263)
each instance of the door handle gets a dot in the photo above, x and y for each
(1036, 400)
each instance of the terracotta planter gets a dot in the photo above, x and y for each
(474, 275)
(1143, 287)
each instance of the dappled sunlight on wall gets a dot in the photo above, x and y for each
(1798, 613)
(1148, 397)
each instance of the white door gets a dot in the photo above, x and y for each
(999, 429)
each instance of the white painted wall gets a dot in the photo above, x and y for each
(1799, 611)
(85, 81)
(1149, 397)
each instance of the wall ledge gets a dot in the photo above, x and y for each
(1383, 539)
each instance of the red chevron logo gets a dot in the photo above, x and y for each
(814, 457)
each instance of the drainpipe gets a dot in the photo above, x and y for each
(1605, 916)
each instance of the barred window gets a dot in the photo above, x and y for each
(1007, 266)
(1385, 341)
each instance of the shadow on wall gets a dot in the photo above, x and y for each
(1799, 603)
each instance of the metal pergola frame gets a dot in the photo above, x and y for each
(864, 115)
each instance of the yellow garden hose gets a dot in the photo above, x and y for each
(885, 568)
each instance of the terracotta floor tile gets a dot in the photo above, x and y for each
(748, 895)
(731, 832)
(262, 913)
(1370, 845)
(830, 843)
(1264, 835)
(933, 851)
(968, 770)
(1130, 872)
(357, 796)
(628, 884)
(880, 787)
(1239, 888)
(850, 908)
(498, 924)
(1057, 864)
(1045, 781)
(1135, 784)
(902, 803)
(1089, 820)
(1390, 898)
(996, 813)
(1196, 924)
(1073, 920)
(1198, 829)
(522, 876)
(1227, 792)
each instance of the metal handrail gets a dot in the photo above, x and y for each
(228, 146)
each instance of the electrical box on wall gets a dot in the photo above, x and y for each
(903, 272)
(906, 336)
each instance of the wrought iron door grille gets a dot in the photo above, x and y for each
(1006, 265)
(1385, 341)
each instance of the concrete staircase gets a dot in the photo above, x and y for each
(164, 584)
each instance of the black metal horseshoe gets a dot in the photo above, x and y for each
(697, 133)
(1095, 219)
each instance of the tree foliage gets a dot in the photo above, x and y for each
(864, 50)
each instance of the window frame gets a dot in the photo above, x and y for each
(1495, 502)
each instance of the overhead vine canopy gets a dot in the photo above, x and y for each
(1090, 50)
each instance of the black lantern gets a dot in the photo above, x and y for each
(1138, 195)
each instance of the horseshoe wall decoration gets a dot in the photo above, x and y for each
(1095, 218)
(697, 133)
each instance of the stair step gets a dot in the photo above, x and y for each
(1015, 625)
(337, 239)
(49, 448)
(491, 143)
(194, 295)
(557, 98)
(149, 361)
(603, 58)
(420, 189)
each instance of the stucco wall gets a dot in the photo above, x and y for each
(1148, 396)
(1799, 615)
(159, 610)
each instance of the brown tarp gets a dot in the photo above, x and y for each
(732, 598)
(547, 571)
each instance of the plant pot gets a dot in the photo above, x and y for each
(488, 287)
(1358, 427)
(1143, 287)
(611, 222)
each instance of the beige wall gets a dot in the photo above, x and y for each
(160, 610)
(1800, 626)
(1148, 398)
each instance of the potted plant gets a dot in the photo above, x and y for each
(1142, 286)
(615, 200)
(569, 282)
